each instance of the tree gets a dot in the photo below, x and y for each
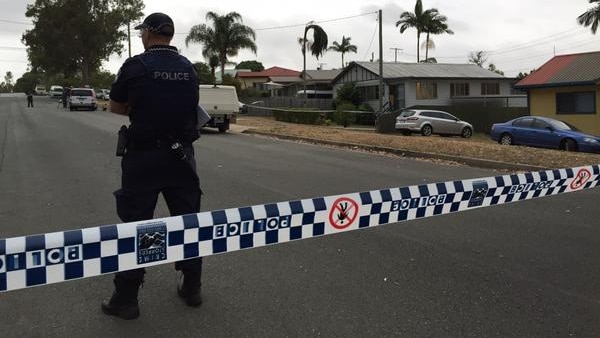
(344, 47)
(478, 58)
(225, 38)
(8, 81)
(347, 93)
(435, 23)
(213, 63)
(317, 47)
(132, 10)
(204, 72)
(71, 36)
(492, 67)
(415, 20)
(521, 75)
(591, 17)
(27, 82)
(254, 66)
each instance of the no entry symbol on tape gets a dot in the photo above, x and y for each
(583, 175)
(343, 213)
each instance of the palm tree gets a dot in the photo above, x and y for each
(435, 23)
(317, 47)
(303, 45)
(224, 39)
(344, 47)
(412, 20)
(213, 63)
(591, 17)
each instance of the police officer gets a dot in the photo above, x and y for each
(30, 99)
(158, 89)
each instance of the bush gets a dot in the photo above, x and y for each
(347, 93)
(343, 116)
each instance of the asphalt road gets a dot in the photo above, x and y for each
(528, 269)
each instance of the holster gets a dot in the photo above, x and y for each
(122, 141)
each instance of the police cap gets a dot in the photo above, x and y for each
(158, 23)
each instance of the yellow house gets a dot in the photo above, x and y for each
(567, 88)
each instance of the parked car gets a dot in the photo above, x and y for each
(103, 94)
(545, 132)
(82, 98)
(55, 91)
(40, 90)
(429, 122)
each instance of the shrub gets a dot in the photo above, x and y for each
(343, 116)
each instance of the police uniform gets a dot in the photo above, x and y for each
(161, 88)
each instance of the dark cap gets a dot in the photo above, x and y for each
(158, 23)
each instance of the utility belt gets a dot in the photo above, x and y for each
(127, 143)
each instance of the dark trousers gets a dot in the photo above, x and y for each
(29, 102)
(138, 203)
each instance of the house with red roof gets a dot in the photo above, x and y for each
(567, 88)
(259, 79)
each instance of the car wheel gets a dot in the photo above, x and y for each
(506, 139)
(222, 128)
(466, 132)
(569, 145)
(426, 130)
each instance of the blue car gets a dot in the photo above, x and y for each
(544, 132)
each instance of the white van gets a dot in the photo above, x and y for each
(40, 90)
(55, 91)
(221, 103)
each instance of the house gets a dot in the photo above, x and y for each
(424, 84)
(230, 72)
(258, 79)
(319, 84)
(566, 88)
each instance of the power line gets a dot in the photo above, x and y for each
(16, 22)
(371, 43)
(304, 24)
(11, 47)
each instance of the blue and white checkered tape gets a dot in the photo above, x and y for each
(60, 256)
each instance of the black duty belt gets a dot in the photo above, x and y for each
(154, 144)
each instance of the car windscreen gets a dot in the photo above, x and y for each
(76, 92)
(407, 113)
(561, 125)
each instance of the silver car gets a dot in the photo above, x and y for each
(429, 122)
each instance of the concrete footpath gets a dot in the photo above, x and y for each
(470, 161)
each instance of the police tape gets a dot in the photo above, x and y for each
(61, 256)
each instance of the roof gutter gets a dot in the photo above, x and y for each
(562, 84)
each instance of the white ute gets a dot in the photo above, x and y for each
(221, 103)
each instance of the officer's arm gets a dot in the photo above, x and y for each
(119, 94)
(121, 108)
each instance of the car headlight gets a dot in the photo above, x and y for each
(590, 140)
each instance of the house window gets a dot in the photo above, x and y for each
(576, 103)
(426, 90)
(459, 89)
(369, 92)
(490, 89)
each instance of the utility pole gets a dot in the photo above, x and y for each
(380, 63)
(396, 53)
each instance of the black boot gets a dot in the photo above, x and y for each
(188, 287)
(124, 300)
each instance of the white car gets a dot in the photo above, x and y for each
(82, 98)
(429, 122)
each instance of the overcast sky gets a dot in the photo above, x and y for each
(518, 35)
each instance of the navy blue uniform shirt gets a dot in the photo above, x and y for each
(161, 87)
